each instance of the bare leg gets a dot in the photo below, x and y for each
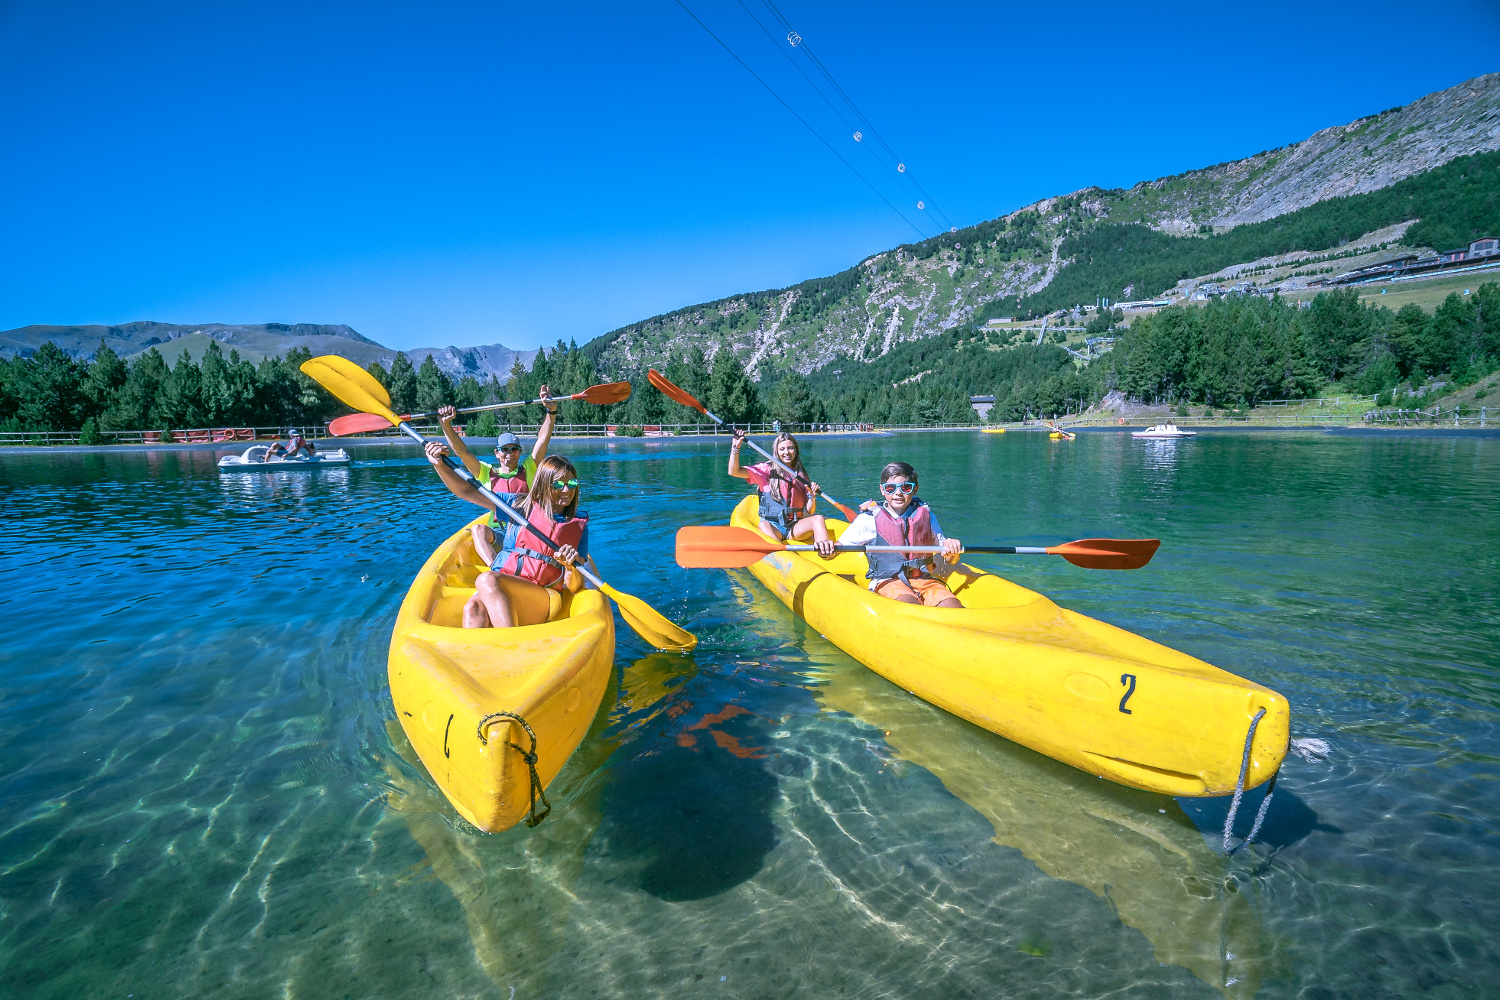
(949, 602)
(475, 616)
(815, 528)
(507, 601)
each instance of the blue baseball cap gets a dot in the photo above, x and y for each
(505, 439)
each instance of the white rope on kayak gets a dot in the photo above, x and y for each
(1239, 791)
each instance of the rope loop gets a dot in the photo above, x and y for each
(1239, 792)
(529, 756)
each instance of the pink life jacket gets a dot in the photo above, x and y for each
(513, 483)
(537, 564)
(913, 527)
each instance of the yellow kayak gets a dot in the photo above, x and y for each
(462, 695)
(1089, 694)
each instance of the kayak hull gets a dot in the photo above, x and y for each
(448, 683)
(1089, 694)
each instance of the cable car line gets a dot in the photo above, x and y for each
(873, 131)
(851, 126)
(804, 122)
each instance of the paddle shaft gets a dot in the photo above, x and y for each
(500, 505)
(497, 406)
(776, 461)
(1006, 550)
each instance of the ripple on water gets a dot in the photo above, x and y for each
(203, 791)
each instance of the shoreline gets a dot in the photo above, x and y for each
(485, 443)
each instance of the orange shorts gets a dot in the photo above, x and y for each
(925, 589)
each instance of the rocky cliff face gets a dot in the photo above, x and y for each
(1365, 155)
(921, 290)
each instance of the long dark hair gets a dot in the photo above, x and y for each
(540, 494)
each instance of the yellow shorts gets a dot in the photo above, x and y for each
(923, 588)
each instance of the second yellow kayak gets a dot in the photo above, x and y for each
(465, 697)
(1091, 695)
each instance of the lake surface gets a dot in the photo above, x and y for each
(203, 790)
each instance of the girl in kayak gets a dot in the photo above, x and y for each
(514, 590)
(903, 518)
(510, 475)
(788, 506)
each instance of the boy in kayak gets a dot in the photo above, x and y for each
(514, 590)
(510, 475)
(903, 518)
(788, 506)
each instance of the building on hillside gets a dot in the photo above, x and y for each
(982, 405)
(1484, 246)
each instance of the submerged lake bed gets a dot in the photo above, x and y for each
(205, 792)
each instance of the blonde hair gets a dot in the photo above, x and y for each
(540, 493)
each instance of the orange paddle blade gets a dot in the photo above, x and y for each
(674, 392)
(358, 423)
(1107, 553)
(603, 395)
(701, 547)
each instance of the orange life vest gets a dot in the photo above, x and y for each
(535, 562)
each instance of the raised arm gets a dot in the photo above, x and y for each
(734, 456)
(544, 435)
(445, 421)
(435, 452)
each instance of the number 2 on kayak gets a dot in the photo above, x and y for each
(1130, 680)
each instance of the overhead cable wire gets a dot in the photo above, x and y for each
(878, 193)
(875, 133)
(895, 175)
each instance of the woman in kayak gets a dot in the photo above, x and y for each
(788, 506)
(514, 590)
(509, 475)
(903, 518)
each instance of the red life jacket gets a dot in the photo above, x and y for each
(913, 527)
(534, 562)
(513, 483)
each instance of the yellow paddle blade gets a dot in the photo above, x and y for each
(650, 623)
(351, 385)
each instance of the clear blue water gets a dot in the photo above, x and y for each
(203, 792)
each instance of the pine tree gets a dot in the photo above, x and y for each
(792, 402)
(433, 387)
(106, 377)
(731, 394)
(402, 384)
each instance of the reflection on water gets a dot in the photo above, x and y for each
(204, 792)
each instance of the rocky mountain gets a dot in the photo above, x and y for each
(255, 341)
(481, 362)
(1042, 252)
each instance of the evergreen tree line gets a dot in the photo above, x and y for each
(1239, 351)
(49, 390)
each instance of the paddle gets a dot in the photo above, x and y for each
(357, 388)
(675, 392)
(731, 548)
(599, 395)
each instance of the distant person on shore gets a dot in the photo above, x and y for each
(295, 445)
(510, 475)
(903, 518)
(788, 509)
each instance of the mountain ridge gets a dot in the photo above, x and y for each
(921, 290)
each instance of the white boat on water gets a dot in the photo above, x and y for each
(1163, 431)
(254, 460)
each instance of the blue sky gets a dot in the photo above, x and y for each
(455, 173)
